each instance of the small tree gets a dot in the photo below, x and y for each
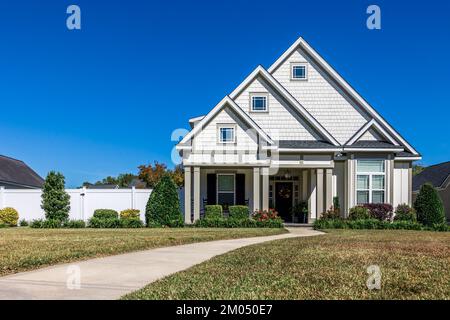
(55, 200)
(428, 205)
(163, 206)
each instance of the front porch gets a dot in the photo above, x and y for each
(259, 188)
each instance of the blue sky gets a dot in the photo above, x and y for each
(104, 99)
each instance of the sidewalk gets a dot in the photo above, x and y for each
(112, 277)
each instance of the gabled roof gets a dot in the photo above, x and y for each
(336, 77)
(227, 101)
(438, 175)
(16, 172)
(375, 125)
(261, 72)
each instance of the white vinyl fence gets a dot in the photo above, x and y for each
(83, 201)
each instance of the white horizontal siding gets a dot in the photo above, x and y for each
(281, 122)
(321, 99)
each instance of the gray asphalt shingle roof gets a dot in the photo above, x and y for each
(372, 144)
(17, 172)
(436, 175)
(304, 144)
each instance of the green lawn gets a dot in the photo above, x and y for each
(24, 248)
(414, 265)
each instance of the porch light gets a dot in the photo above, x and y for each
(287, 175)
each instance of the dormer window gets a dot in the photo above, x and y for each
(258, 102)
(227, 134)
(299, 71)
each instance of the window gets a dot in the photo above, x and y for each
(370, 181)
(225, 190)
(259, 103)
(226, 135)
(299, 71)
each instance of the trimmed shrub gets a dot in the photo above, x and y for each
(106, 223)
(74, 224)
(331, 214)
(130, 214)
(404, 225)
(163, 206)
(55, 200)
(131, 223)
(429, 207)
(237, 223)
(23, 223)
(358, 212)
(239, 212)
(380, 211)
(9, 216)
(404, 212)
(46, 224)
(367, 224)
(213, 211)
(105, 214)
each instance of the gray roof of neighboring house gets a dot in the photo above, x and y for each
(437, 175)
(304, 144)
(16, 172)
(102, 186)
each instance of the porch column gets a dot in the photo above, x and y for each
(319, 192)
(312, 200)
(187, 195)
(328, 188)
(305, 185)
(196, 193)
(265, 188)
(256, 202)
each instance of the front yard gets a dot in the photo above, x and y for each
(414, 265)
(24, 249)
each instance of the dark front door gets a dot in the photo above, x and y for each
(283, 200)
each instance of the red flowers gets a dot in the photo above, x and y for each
(264, 215)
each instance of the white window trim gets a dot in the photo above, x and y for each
(258, 94)
(299, 64)
(234, 186)
(226, 126)
(370, 174)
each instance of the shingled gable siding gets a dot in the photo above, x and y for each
(207, 139)
(321, 99)
(279, 122)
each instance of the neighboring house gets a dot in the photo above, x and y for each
(15, 174)
(296, 131)
(439, 176)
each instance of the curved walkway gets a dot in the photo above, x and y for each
(112, 277)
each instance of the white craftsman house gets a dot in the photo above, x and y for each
(296, 131)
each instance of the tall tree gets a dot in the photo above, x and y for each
(151, 174)
(177, 175)
(55, 200)
(417, 168)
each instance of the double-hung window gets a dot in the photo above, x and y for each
(370, 181)
(227, 134)
(226, 190)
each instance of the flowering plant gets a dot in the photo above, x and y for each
(264, 215)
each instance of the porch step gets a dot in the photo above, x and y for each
(298, 225)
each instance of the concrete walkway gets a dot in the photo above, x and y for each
(112, 277)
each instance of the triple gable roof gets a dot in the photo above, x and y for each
(373, 124)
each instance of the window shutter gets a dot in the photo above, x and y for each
(240, 189)
(211, 188)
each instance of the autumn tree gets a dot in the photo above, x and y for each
(151, 174)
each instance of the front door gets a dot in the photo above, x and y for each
(283, 199)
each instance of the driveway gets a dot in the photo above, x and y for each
(112, 277)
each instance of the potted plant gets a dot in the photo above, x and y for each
(300, 212)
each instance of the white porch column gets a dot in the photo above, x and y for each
(256, 202)
(265, 188)
(196, 193)
(328, 188)
(305, 185)
(319, 192)
(312, 200)
(187, 195)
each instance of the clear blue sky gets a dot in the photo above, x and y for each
(105, 99)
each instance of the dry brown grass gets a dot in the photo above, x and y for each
(414, 265)
(24, 248)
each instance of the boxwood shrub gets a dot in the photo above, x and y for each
(131, 223)
(239, 212)
(375, 224)
(237, 223)
(74, 224)
(213, 211)
(404, 212)
(358, 212)
(96, 222)
(105, 214)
